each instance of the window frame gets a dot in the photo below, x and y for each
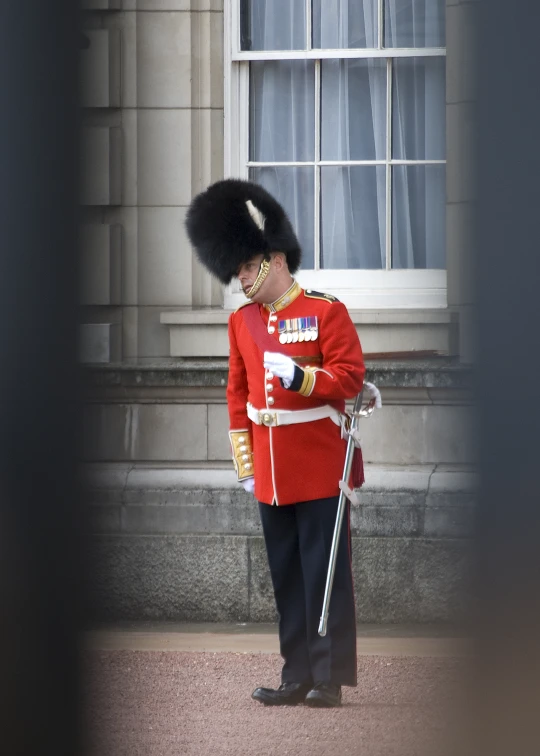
(358, 288)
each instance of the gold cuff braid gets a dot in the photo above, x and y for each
(242, 453)
(308, 383)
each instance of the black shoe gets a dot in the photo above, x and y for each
(324, 695)
(288, 694)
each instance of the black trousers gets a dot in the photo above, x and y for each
(298, 542)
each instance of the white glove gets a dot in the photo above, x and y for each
(373, 393)
(249, 484)
(280, 365)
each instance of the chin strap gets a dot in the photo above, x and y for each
(261, 276)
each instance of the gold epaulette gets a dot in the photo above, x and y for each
(242, 453)
(310, 294)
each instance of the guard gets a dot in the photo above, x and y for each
(295, 357)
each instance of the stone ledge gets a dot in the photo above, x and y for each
(443, 373)
(219, 316)
(395, 502)
(379, 478)
(202, 332)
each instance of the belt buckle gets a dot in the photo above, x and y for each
(267, 418)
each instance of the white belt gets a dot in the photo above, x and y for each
(291, 417)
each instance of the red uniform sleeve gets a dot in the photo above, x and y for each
(237, 385)
(341, 375)
(240, 424)
(341, 356)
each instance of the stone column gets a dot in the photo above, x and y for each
(206, 123)
(156, 124)
(460, 208)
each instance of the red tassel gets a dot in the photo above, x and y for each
(357, 469)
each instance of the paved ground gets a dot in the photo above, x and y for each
(168, 690)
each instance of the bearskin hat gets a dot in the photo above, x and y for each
(234, 220)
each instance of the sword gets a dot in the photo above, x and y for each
(345, 493)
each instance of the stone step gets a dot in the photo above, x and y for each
(186, 545)
(395, 501)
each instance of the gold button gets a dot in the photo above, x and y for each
(270, 400)
(269, 376)
(245, 457)
(271, 329)
(273, 318)
(247, 466)
(243, 448)
(269, 387)
(241, 440)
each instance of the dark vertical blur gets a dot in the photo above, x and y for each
(39, 545)
(508, 290)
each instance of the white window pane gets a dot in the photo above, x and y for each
(282, 111)
(294, 189)
(418, 216)
(344, 23)
(419, 109)
(414, 23)
(353, 217)
(273, 24)
(353, 110)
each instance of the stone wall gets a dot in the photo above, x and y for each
(175, 537)
(177, 414)
(187, 545)
(152, 97)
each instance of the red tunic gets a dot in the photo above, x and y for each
(300, 462)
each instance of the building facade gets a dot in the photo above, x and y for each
(358, 116)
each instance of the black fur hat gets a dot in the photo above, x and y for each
(234, 220)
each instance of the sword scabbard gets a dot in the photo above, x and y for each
(346, 493)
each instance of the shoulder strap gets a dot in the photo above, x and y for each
(256, 327)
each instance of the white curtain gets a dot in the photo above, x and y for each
(418, 133)
(282, 102)
(353, 127)
(353, 199)
(282, 128)
(274, 24)
(414, 23)
(344, 23)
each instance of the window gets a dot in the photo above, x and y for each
(338, 108)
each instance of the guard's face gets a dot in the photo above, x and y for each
(248, 272)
